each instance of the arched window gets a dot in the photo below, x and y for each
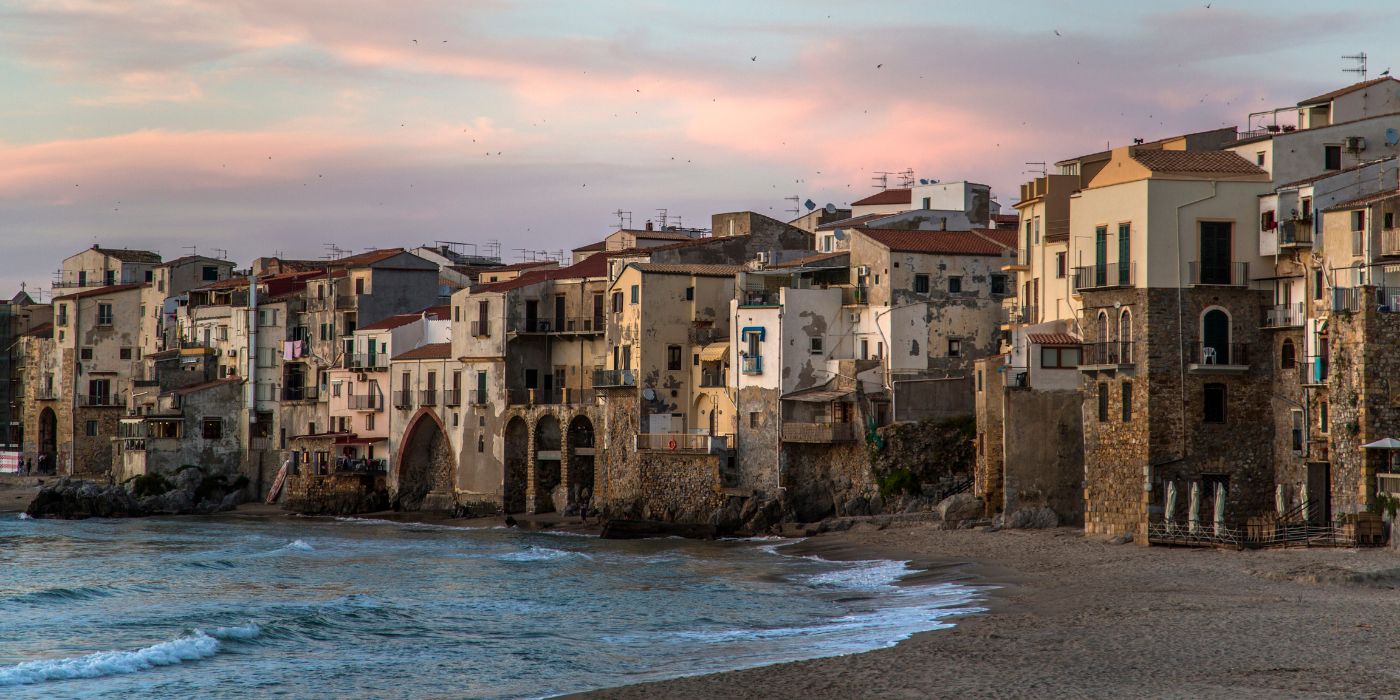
(1287, 355)
(1105, 331)
(1215, 337)
(1125, 336)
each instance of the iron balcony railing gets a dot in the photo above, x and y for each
(369, 361)
(710, 379)
(1313, 370)
(452, 397)
(1283, 315)
(403, 399)
(1381, 299)
(1104, 276)
(300, 393)
(761, 297)
(428, 397)
(1226, 274)
(1295, 233)
(480, 398)
(1390, 241)
(1017, 313)
(366, 402)
(1221, 354)
(1113, 352)
(818, 432)
(614, 377)
(682, 442)
(855, 296)
(102, 400)
(481, 329)
(752, 364)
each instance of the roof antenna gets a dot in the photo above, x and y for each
(1360, 59)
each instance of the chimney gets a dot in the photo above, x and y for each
(649, 227)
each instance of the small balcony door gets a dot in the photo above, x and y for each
(1215, 252)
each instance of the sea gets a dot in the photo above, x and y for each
(241, 607)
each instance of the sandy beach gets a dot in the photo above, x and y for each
(1078, 617)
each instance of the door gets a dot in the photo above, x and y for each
(1100, 256)
(1215, 252)
(532, 315)
(1215, 336)
(597, 312)
(1320, 493)
(559, 313)
(1124, 253)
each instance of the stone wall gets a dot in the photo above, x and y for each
(1044, 453)
(990, 397)
(335, 494)
(1364, 401)
(678, 487)
(821, 480)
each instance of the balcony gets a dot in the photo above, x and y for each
(481, 329)
(711, 379)
(46, 394)
(479, 397)
(403, 399)
(855, 296)
(1312, 371)
(365, 402)
(818, 432)
(300, 393)
(1282, 316)
(1215, 274)
(1104, 276)
(1021, 262)
(1353, 299)
(102, 400)
(452, 397)
(368, 361)
(428, 397)
(1217, 357)
(1017, 314)
(761, 297)
(614, 377)
(1295, 234)
(1114, 354)
(751, 365)
(1390, 242)
(693, 443)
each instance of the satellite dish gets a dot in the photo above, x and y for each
(923, 181)
(839, 235)
(829, 208)
(1392, 137)
(649, 394)
(810, 205)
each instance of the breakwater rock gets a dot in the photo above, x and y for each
(190, 491)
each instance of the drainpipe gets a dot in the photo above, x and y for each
(1181, 308)
(251, 355)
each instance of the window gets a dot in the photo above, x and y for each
(1317, 284)
(1297, 431)
(109, 277)
(532, 378)
(62, 314)
(1322, 417)
(1267, 222)
(753, 419)
(125, 353)
(1332, 157)
(927, 203)
(636, 293)
(1061, 265)
(826, 244)
(223, 332)
(1287, 356)
(104, 314)
(91, 428)
(150, 275)
(1127, 408)
(921, 284)
(85, 354)
(456, 314)
(212, 428)
(689, 293)
(1358, 220)
(814, 346)
(879, 349)
(617, 302)
(1388, 220)
(1059, 357)
(1259, 158)
(1214, 404)
(209, 273)
(954, 347)
(359, 285)
(979, 381)
(999, 285)
(1103, 402)
(673, 358)
(955, 285)
(369, 421)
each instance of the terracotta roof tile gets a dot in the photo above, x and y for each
(813, 259)
(100, 291)
(897, 195)
(368, 258)
(431, 351)
(433, 312)
(1201, 162)
(976, 242)
(1053, 339)
(690, 269)
(1363, 201)
(130, 255)
(850, 222)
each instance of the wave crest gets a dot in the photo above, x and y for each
(198, 645)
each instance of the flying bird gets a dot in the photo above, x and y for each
(753, 58)
(1057, 32)
(879, 65)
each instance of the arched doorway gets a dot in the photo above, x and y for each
(48, 441)
(1215, 336)
(581, 462)
(516, 460)
(424, 464)
(547, 444)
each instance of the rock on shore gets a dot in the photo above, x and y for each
(191, 491)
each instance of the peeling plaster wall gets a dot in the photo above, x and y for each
(91, 455)
(221, 455)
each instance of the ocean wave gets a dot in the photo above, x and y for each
(534, 553)
(25, 516)
(60, 593)
(860, 575)
(197, 645)
(297, 546)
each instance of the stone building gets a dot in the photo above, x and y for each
(106, 267)
(427, 395)
(198, 424)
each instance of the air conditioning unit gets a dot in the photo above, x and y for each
(217, 352)
(1354, 143)
(361, 377)
(762, 258)
(863, 271)
(855, 317)
(233, 353)
(543, 326)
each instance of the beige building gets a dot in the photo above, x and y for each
(106, 267)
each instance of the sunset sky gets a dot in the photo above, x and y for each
(260, 126)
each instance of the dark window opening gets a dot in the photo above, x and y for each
(1214, 404)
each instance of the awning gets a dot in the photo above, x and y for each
(323, 436)
(360, 440)
(1383, 444)
(715, 351)
(819, 395)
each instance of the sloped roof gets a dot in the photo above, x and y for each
(368, 258)
(112, 289)
(43, 330)
(1203, 162)
(701, 270)
(813, 259)
(661, 235)
(528, 265)
(894, 195)
(600, 245)
(431, 351)
(195, 258)
(1329, 96)
(1053, 339)
(1330, 173)
(1363, 201)
(432, 312)
(975, 242)
(593, 266)
(130, 255)
(850, 222)
(194, 388)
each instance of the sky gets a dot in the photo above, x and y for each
(260, 127)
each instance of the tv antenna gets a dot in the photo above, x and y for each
(661, 217)
(624, 218)
(493, 249)
(334, 251)
(906, 178)
(193, 250)
(221, 253)
(1360, 67)
(1037, 166)
(795, 210)
(882, 179)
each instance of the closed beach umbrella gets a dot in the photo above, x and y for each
(1307, 509)
(1280, 500)
(1170, 512)
(1219, 507)
(1194, 519)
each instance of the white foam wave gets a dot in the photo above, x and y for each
(861, 575)
(297, 546)
(198, 645)
(25, 516)
(533, 553)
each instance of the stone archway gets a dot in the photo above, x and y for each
(517, 459)
(424, 463)
(548, 441)
(581, 454)
(48, 441)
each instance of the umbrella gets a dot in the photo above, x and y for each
(1194, 520)
(1307, 509)
(1280, 500)
(1382, 444)
(1170, 511)
(1219, 507)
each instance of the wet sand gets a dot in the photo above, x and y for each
(1077, 617)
